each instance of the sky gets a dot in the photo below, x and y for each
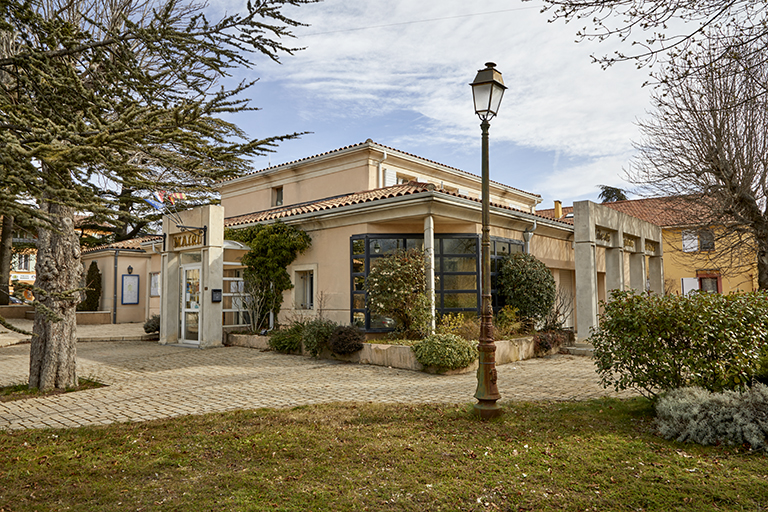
(398, 72)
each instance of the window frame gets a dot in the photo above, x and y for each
(360, 316)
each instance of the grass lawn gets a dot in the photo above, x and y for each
(597, 455)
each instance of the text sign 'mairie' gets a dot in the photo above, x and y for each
(187, 239)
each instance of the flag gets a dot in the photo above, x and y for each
(159, 195)
(154, 204)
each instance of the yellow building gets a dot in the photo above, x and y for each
(692, 259)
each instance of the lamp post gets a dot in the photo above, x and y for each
(487, 90)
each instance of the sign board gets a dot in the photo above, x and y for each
(130, 289)
(187, 240)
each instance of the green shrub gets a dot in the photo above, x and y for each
(287, 340)
(152, 324)
(731, 417)
(464, 325)
(316, 335)
(446, 351)
(396, 287)
(93, 290)
(506, 323)
(656, 344)
(528, 285)
(346, 339)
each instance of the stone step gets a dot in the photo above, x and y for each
(579, 349)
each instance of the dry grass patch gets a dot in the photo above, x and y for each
(22, 391)
(597, 455)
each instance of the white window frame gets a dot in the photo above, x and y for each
(299, 289)
(690, 240)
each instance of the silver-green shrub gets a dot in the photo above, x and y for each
(446, 351)
(729, 417)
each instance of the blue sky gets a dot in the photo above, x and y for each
(397, 71)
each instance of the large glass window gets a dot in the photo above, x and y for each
(457, 271)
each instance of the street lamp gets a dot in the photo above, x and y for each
(487, 90)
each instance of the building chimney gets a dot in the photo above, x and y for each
(558, 209)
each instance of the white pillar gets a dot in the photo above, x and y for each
(586, 289)
(656, 274)
(637, 274)
(169, 298)
(429, 250)
(614, 268)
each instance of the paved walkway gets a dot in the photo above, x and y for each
(150, 381)
(104, 332)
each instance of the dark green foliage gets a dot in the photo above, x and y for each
(317, 332)
(288, 340)
(445, 351)
(152, 324)
(656, 344)
(730, 417)
(93, 289)
(610, 194)
(528, 285)
(396, 287)
(273, 248)
(346, 339)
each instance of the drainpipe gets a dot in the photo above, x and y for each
(114, 296)
(527, 235)
(381, 171)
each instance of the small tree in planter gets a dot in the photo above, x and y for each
(92, 289)
(273, 248)
(397, 288)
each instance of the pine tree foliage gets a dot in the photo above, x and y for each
(98, 98)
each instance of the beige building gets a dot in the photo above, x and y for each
(365, 201)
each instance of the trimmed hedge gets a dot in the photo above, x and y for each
(527, 285)
(656, 344)
(446, 351)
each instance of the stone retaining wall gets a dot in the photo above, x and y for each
(399, 356)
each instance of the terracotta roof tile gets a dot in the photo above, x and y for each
(411, 188)
(662, 211)
(133, 244)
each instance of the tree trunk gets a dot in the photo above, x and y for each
(762, 261)
(6, 253)
(52, 361)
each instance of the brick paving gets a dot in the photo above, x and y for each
(148, 381)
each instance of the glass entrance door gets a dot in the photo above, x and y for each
(190, 305)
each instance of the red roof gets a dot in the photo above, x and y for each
(405, 189)
(662, 211)
(132, 244)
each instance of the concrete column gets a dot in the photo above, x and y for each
(429, 250)
(169, 298)
(586, 289)
(614, 268)
(637, 273)
(212, 277)
(656, 274)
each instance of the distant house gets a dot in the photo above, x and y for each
(692, 260)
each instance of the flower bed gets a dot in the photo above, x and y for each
(400, 356)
